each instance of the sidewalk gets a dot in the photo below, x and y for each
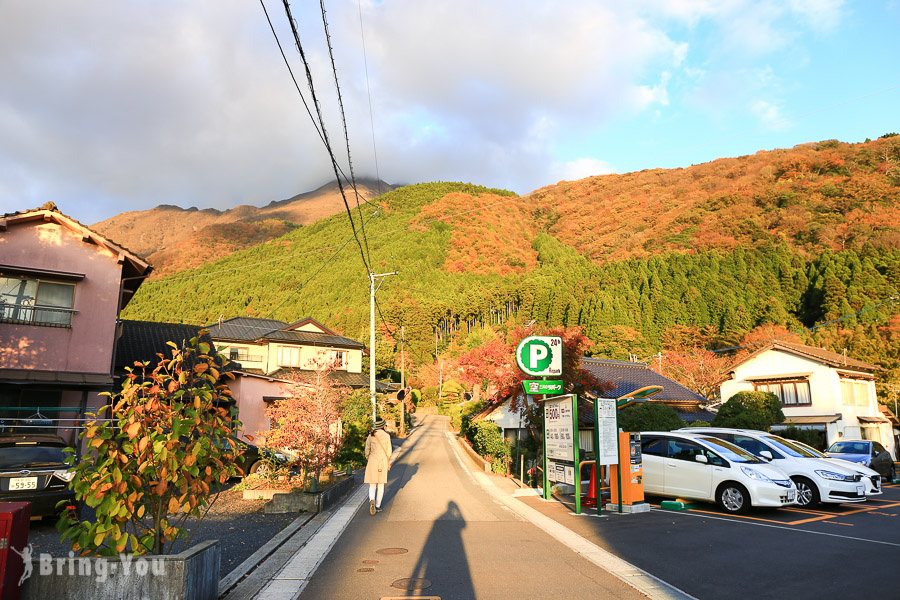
(282, 568)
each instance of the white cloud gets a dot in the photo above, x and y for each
(581, 168)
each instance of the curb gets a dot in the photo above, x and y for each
(642, 581)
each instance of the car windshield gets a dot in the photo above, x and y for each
(789, 447)
(729, 451)
(809, 449)
(29, 457)
(849, 448)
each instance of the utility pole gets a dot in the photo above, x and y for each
(372, 291)
(402, 357)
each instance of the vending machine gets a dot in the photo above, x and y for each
(632, 471)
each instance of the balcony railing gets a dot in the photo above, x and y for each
(26, 314)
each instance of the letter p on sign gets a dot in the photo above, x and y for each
(540, 356)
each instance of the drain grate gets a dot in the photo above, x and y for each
(411, 584)
(370, 562)
(392, 551)
(365, 570)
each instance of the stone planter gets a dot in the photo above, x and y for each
(291, 502)
(189, 575)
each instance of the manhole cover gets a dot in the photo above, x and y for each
(392, 551)
(411, 584)
(365, 570)
(370, 562)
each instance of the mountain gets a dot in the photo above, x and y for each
(806, 238)
(174, 239)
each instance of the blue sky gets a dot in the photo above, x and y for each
(109, 107)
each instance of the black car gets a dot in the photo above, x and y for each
(33, 469)
(254, 459)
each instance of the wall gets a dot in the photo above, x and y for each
(87, 346)
(248, 391)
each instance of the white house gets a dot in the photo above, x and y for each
(818, 389)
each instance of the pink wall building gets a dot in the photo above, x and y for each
(61, 289)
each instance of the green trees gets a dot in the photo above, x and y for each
(750, 410)
(649, 416)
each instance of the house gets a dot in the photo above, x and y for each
(624, 377)
(62, 287)
(142, 341)
(818, 389)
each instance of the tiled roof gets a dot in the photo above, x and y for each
(352, 380)
(251, 329)
(244, 328)
(142, 340)
(630, 376)
(827, 357)
(311, 338)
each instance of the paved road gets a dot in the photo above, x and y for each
(444, 535)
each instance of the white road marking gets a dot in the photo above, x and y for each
(742, 522)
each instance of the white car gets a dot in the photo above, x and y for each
(701, 467)
(818, 478)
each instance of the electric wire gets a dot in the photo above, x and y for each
(362, 37)
(318, 107)
(340, 99)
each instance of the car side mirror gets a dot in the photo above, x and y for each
(700, 458)
(766, 455)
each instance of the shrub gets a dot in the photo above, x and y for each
(810, 437)
(750, 410)
(649, 416)
(155, 463)
(487, 440)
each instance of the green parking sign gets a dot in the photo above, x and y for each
(540, 355)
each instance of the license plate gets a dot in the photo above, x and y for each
(790, 496)
(23, 483)
(860, 490)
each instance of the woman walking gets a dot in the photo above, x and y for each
(378, 453)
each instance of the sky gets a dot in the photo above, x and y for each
(107, 107)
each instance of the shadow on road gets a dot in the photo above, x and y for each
(444, 553)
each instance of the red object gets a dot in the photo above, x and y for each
(591, 498)
(14, 520)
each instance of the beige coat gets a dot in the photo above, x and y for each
(378, 453)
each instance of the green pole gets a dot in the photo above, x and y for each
(577, 457)
(544, 452)
(597, 453)
(619, 458)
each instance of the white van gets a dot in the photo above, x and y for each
(818, 478)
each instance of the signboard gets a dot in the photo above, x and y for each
(542, 387)
(560, 472)
(607, 432)
(559, 427)
(540, 356)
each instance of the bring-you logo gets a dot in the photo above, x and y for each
(99, 568)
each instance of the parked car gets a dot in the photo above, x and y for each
(702, 467)
(256, 460)
(33, 469)
(866, 452)
(870, 477)
(818, 479)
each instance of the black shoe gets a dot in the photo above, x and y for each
(378, 509)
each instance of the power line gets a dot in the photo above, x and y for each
(318, 107)
(362, 37)
(337, 87)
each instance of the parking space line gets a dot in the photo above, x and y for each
(779, 526)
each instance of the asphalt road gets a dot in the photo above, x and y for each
(445, 537)
(833, 551)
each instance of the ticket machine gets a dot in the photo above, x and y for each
(14, 521)
(632, 471)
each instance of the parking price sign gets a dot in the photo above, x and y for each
(560, 435)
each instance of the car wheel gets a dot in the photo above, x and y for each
(807, 492)
(733, 498)
(260, 468)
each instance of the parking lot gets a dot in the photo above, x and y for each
(832, 551)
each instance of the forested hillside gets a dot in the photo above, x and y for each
(643, 262)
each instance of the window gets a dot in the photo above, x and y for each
(854, 393)
(684, 450)
(36, 301)
(753, 446)
(654, 446)
(790, 392)
(337, 359)
(288, 356)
